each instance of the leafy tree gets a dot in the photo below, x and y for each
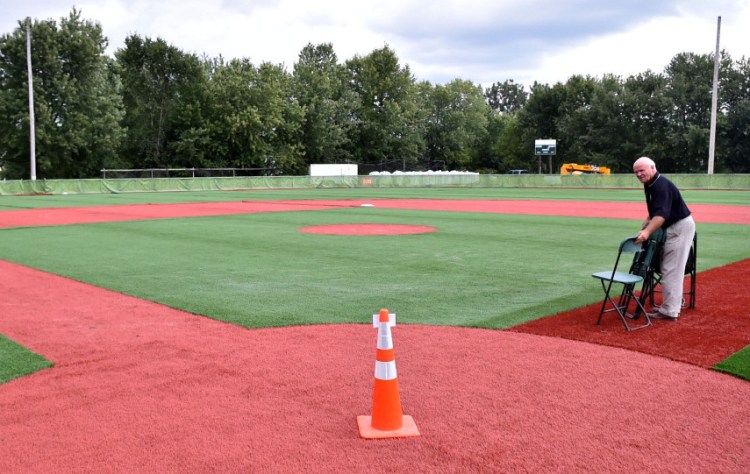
(506, 97)
(319, 88)
(607, 139)
(689, 86)
(160, 84)
(538, 118)
(251, 120)
(504, 149)
(456, 124)
(574, 126)
(281, 119)
(737, 156)
(387, 124)
(646, 110)
(155, 106)
(733, 119)
(77, 100)
(605, 122)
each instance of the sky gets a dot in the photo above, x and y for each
(483, 41)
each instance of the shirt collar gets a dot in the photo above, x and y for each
(654, 179)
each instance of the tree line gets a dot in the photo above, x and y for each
(155, 106)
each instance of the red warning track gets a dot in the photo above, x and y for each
(621, 210)
(139, 387)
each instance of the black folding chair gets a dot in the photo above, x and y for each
(640, 272)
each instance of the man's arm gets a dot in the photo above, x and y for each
(653, 225)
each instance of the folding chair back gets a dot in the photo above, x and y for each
(644, 262)
(691, 269)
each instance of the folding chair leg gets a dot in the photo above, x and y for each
(692, 290)
(621, 306)
(694, 271)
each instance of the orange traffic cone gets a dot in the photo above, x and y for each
(387, 420)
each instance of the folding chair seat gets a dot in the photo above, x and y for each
(640, 272)
(691, 270)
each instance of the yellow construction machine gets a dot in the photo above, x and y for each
(575, 168)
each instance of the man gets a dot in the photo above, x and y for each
(666, 210)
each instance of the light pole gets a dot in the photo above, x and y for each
(714, 100)
(32, 135)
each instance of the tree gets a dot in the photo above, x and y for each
(538, 118)
(689, 86)
(387, 122)
(599, 124)
(281, 120)
(504, 149)
(646, 110)
(456, 124)
(251, 119)
(607, 138)
(733, 118)
(319, 88)
(77, 103)
(574, 126)
(161, 84)
(506, 97)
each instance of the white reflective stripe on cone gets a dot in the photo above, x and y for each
(385, 341)
(385, 370)
(391, 320)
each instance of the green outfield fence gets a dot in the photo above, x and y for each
(114, 186)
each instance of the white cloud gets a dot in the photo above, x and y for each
(479, 40)
(648, 46)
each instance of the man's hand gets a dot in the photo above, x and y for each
(653, 224)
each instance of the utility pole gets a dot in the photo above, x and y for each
(714, 101)
(32, 133)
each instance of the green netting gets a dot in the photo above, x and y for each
(114, 186)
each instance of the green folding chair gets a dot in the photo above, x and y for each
(639, 272)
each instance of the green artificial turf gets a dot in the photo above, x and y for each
(255, 270)
(566, 194)
(738, 364)
(18, 361)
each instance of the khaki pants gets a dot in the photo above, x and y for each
(674, 258)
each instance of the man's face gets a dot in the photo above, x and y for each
(644, 172)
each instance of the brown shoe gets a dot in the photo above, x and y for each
(660, 315)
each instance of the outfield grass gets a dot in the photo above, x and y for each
(614, 195)
(738, 364)
(484, 270)
(18, 361)
(257, 270)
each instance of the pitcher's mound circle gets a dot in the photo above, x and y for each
(367, 229)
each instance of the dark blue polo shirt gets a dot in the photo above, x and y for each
(664, 199)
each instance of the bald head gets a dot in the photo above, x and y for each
(644, 169)
(644, 160)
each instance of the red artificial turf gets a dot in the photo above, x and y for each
(139, 387)
(624, 210)
(716, 328)
(131, 212)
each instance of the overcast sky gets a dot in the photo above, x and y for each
(483, 41)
